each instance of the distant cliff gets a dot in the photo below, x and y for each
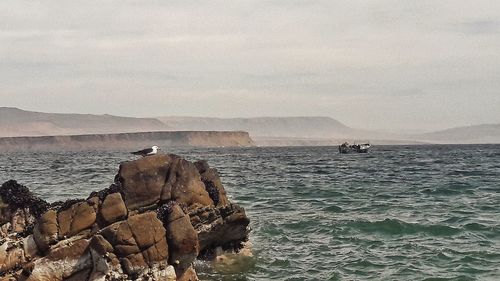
(127, 140)
(266, 131)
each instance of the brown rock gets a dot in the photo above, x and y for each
(141, 234)
(10, 257)
(68, 249)
(134, 263)
(8, 278)
(94, 202)
(70, 244)
(113, 208)
(80, 275)
(14, 276)
(20, 219)
(157, 252)
(76, 218)
(213, 184)
(45, 230)
(164, 273)
(100, 245)
(185, 185)
(17, 196)
(147, 229)
(5, 230)
(182, 239)
(64, 260)
(120, 237)
(221, 226)
(142, 180)
(188, 274)
(4, 212)
(29, 247)
(160, 178)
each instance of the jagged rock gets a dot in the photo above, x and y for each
(185, 185)
(151, 224)
(225, 226)
(64, 260)
(20, 219)
(139, 242)
(13, 276)
(182, 237)
(165, 274)
(213, 184)
(188, 275)
(76, 218)
(46, 229)
(18, 207)
(18, 197)
(17, 251)
(80, 275)
(4, 212)
(30, 247)
(150, 180)
(113, 208)
(10, 256)
(142, 180)
(100, 245)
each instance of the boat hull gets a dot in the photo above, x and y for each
(355, 148)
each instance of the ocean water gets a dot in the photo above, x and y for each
(396, 213)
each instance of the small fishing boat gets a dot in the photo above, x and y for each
(358, 148)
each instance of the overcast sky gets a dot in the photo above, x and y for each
(370, 64)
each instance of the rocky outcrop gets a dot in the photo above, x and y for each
(161, 213)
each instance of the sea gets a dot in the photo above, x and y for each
(429, 212)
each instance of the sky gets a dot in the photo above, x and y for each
(380, 64)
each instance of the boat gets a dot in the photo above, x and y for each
(357, 148)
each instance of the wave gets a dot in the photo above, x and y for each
(399, 227)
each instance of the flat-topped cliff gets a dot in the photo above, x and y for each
(127, 140)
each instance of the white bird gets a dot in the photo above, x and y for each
(148, 151)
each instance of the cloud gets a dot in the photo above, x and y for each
(480, 27)
(351, 60)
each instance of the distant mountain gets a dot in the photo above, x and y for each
(17, 122)
(286, 130)
(486, 133)
(290, 127)
(264, 130)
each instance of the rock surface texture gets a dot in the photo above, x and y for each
(161, 213)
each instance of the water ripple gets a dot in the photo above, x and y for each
(397, 213)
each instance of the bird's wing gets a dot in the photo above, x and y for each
(142, 152)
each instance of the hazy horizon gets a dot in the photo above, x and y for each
(160, 118)
(379, 65)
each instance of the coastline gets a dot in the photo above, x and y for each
(127, 140)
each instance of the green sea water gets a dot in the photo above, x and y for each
(396, 213)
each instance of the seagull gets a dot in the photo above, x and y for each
(148, 151)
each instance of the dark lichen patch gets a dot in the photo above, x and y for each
(212, 190)
(210, 252)
(163, 211)
(62, 206)
(27, 231)
(19, 196)
(202, 166)
(101, 194)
